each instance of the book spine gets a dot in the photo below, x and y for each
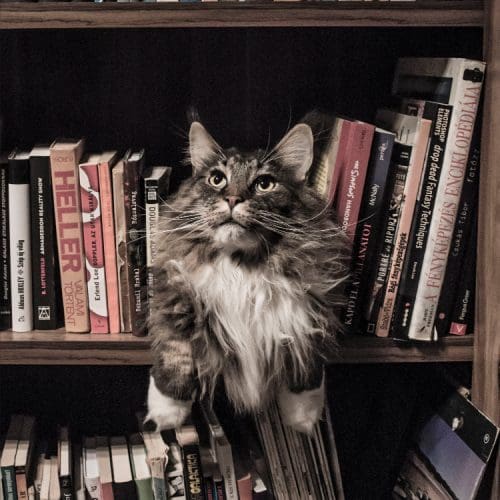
(368, 227)
(193, 473)
(354, 175)
(20, 246)
(108, 236)
(440, 115)
(47, 306)
(64, 167)
(94, 249)
(226, 464)
(121, 249)
(462, 316)
(5, 309)
(151, 188)
(340, 163)
(410, 193)
(9, 483)
(445, 213)
(21, 484)
(66, 485)
(461, 238)
(399, 169)
(136, 246)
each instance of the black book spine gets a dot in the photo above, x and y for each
(47, 300)
(66, 485)
(381, 265)
(461, 237)
(440, 115)
(125, 491)
(5, 310)
(193, 473)
(462, 317)
(368, 228)
(136, 243)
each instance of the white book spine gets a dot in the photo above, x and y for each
(20, 257)
(226, 464)
(465, 105)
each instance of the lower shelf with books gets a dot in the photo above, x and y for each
(60, 348)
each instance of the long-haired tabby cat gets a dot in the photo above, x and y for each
(249, 269)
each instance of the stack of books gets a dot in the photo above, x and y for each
(77, 247)
(405, 191)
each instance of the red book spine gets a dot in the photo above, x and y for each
(338, 172)
(64, 158)
(108, 235)
(94, 248)
(353, 176)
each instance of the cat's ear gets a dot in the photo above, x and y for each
(295, 151)
(202, 147)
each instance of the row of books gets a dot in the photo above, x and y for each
(194, 462)
(76, 246)
(405, 191)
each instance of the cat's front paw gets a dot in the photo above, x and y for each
(165, 412)
(301, 410)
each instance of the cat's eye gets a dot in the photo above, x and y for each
(217, 179)
(264, 184)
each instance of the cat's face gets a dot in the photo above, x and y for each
(243, 199)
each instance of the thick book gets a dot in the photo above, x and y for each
(452, 451)
(140, 468)
(400, 161)
(104, 466)
(20, 242)
(93, 243)
(23, 464)
(156, 186)
(8, 458)
(440, 115)
(457, 82)
(414, 131)
(107, 161)
(174, 474)
(5, 309)
(47, 299)
(91, 469)
(188, 439)
(46, 477)
(353, 175)
(65, 465)
(461, 240)
(64, 159)
(367, 232)
(54, 488)
(123, 483)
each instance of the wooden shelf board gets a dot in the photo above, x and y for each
(59, 348)
(235, 14)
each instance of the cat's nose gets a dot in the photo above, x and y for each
(232, 201)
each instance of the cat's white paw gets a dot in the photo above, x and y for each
(301, 410)
(164, 411)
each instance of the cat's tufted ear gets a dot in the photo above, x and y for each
(202, 147)
(295, 151)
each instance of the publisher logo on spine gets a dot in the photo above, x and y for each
(44, 313)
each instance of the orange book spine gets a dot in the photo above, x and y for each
(108, 234)
(64, 159)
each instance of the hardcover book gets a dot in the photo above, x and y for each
(91, 469)
(457, 82)
(104, 466)
(93, 244)
(64, 458)
(123, 482)
(188, 439)
(64, 159)
(5, 309)
(24, 457)
(415, 132)
(106, 163)
(47, 299)
(8, 457)
(140, 468)
(20, 242)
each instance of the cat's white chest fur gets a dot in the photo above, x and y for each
(254, 313)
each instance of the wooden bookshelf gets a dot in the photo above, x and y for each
(59, 348)
(233, 14)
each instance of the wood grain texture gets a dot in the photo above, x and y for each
(60, 348)
(485, 374)
(151, 15)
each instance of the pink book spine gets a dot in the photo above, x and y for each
(410, 194)
(94, 249)
(338, 173)
(354, 175)
(108, 233)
